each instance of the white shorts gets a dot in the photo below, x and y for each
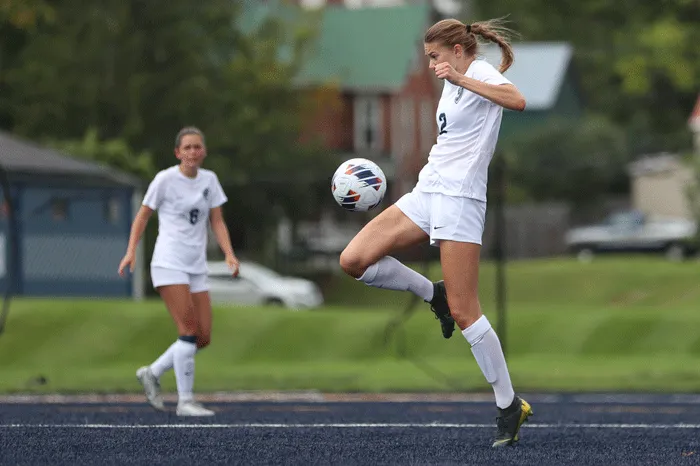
(161, 277)
(445, 217)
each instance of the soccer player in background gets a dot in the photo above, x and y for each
(186, 197)
(448, 204)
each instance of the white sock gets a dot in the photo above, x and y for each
(488, 353)
(165, 362)
(183, 362)
(391, 274)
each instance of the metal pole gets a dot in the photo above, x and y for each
(500, 250)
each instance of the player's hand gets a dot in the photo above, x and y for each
(233, 264)
(128, 261)
(445, 71)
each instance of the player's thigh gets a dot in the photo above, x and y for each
(387, 232)
(174, 288)
(178, 300)
(202, 309)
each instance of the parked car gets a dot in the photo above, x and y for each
(259, 285)
(632, 231)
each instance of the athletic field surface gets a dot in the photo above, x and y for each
(310, 428)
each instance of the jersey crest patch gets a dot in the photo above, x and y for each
(206, 193)
(460, 91)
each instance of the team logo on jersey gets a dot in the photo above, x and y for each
(206, 193)
(460, 91)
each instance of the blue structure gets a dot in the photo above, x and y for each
(72, 224)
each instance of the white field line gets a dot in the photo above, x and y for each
(434, 425)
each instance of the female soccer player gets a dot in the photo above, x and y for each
(448, 204)
(186, 197)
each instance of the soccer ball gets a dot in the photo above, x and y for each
(358, 185)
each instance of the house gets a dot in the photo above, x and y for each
(660, 184)
(389, 96)
(71, 225)
(544, 73)
(373, 58)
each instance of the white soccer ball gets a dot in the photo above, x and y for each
(358, 185)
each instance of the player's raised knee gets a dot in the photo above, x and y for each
(352, 263)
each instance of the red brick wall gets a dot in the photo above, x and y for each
(420, 85)
(329, 119)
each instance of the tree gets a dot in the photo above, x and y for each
(575, 161)
(25, 14)
(114, 153)
(639, 61)
(136, 72)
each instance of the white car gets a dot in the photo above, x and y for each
(632, 231)
(258, 285)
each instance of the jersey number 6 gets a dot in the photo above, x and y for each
(443, 120)
(194, 214)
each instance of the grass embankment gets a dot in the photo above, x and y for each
(613, 324)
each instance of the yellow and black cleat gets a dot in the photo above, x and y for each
(509, 421)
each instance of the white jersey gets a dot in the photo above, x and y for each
(183, 206)
(468, 127)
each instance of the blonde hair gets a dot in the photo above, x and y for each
(451, 32)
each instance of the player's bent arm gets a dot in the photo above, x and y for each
(506, 95)
(218, 226)
(138, 227)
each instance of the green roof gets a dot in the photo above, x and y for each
(367, 48)
(254, 13)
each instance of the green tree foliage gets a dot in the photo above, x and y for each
(141, 70)
(639, 61)
(25, 14)
(114, 153)
(569, 160)
(120, 77)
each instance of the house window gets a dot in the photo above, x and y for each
(59, 209)
(368, 124)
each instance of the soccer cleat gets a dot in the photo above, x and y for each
(509, 421)
(441, 310)
(192, 408)
(151, 387)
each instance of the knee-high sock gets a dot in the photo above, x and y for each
(391, 274)
(164, 362)
(183, 362)
(488, 353)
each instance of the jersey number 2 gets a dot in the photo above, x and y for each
(443, 120)
(194, 215)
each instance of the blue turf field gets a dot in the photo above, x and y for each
(566, 429)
